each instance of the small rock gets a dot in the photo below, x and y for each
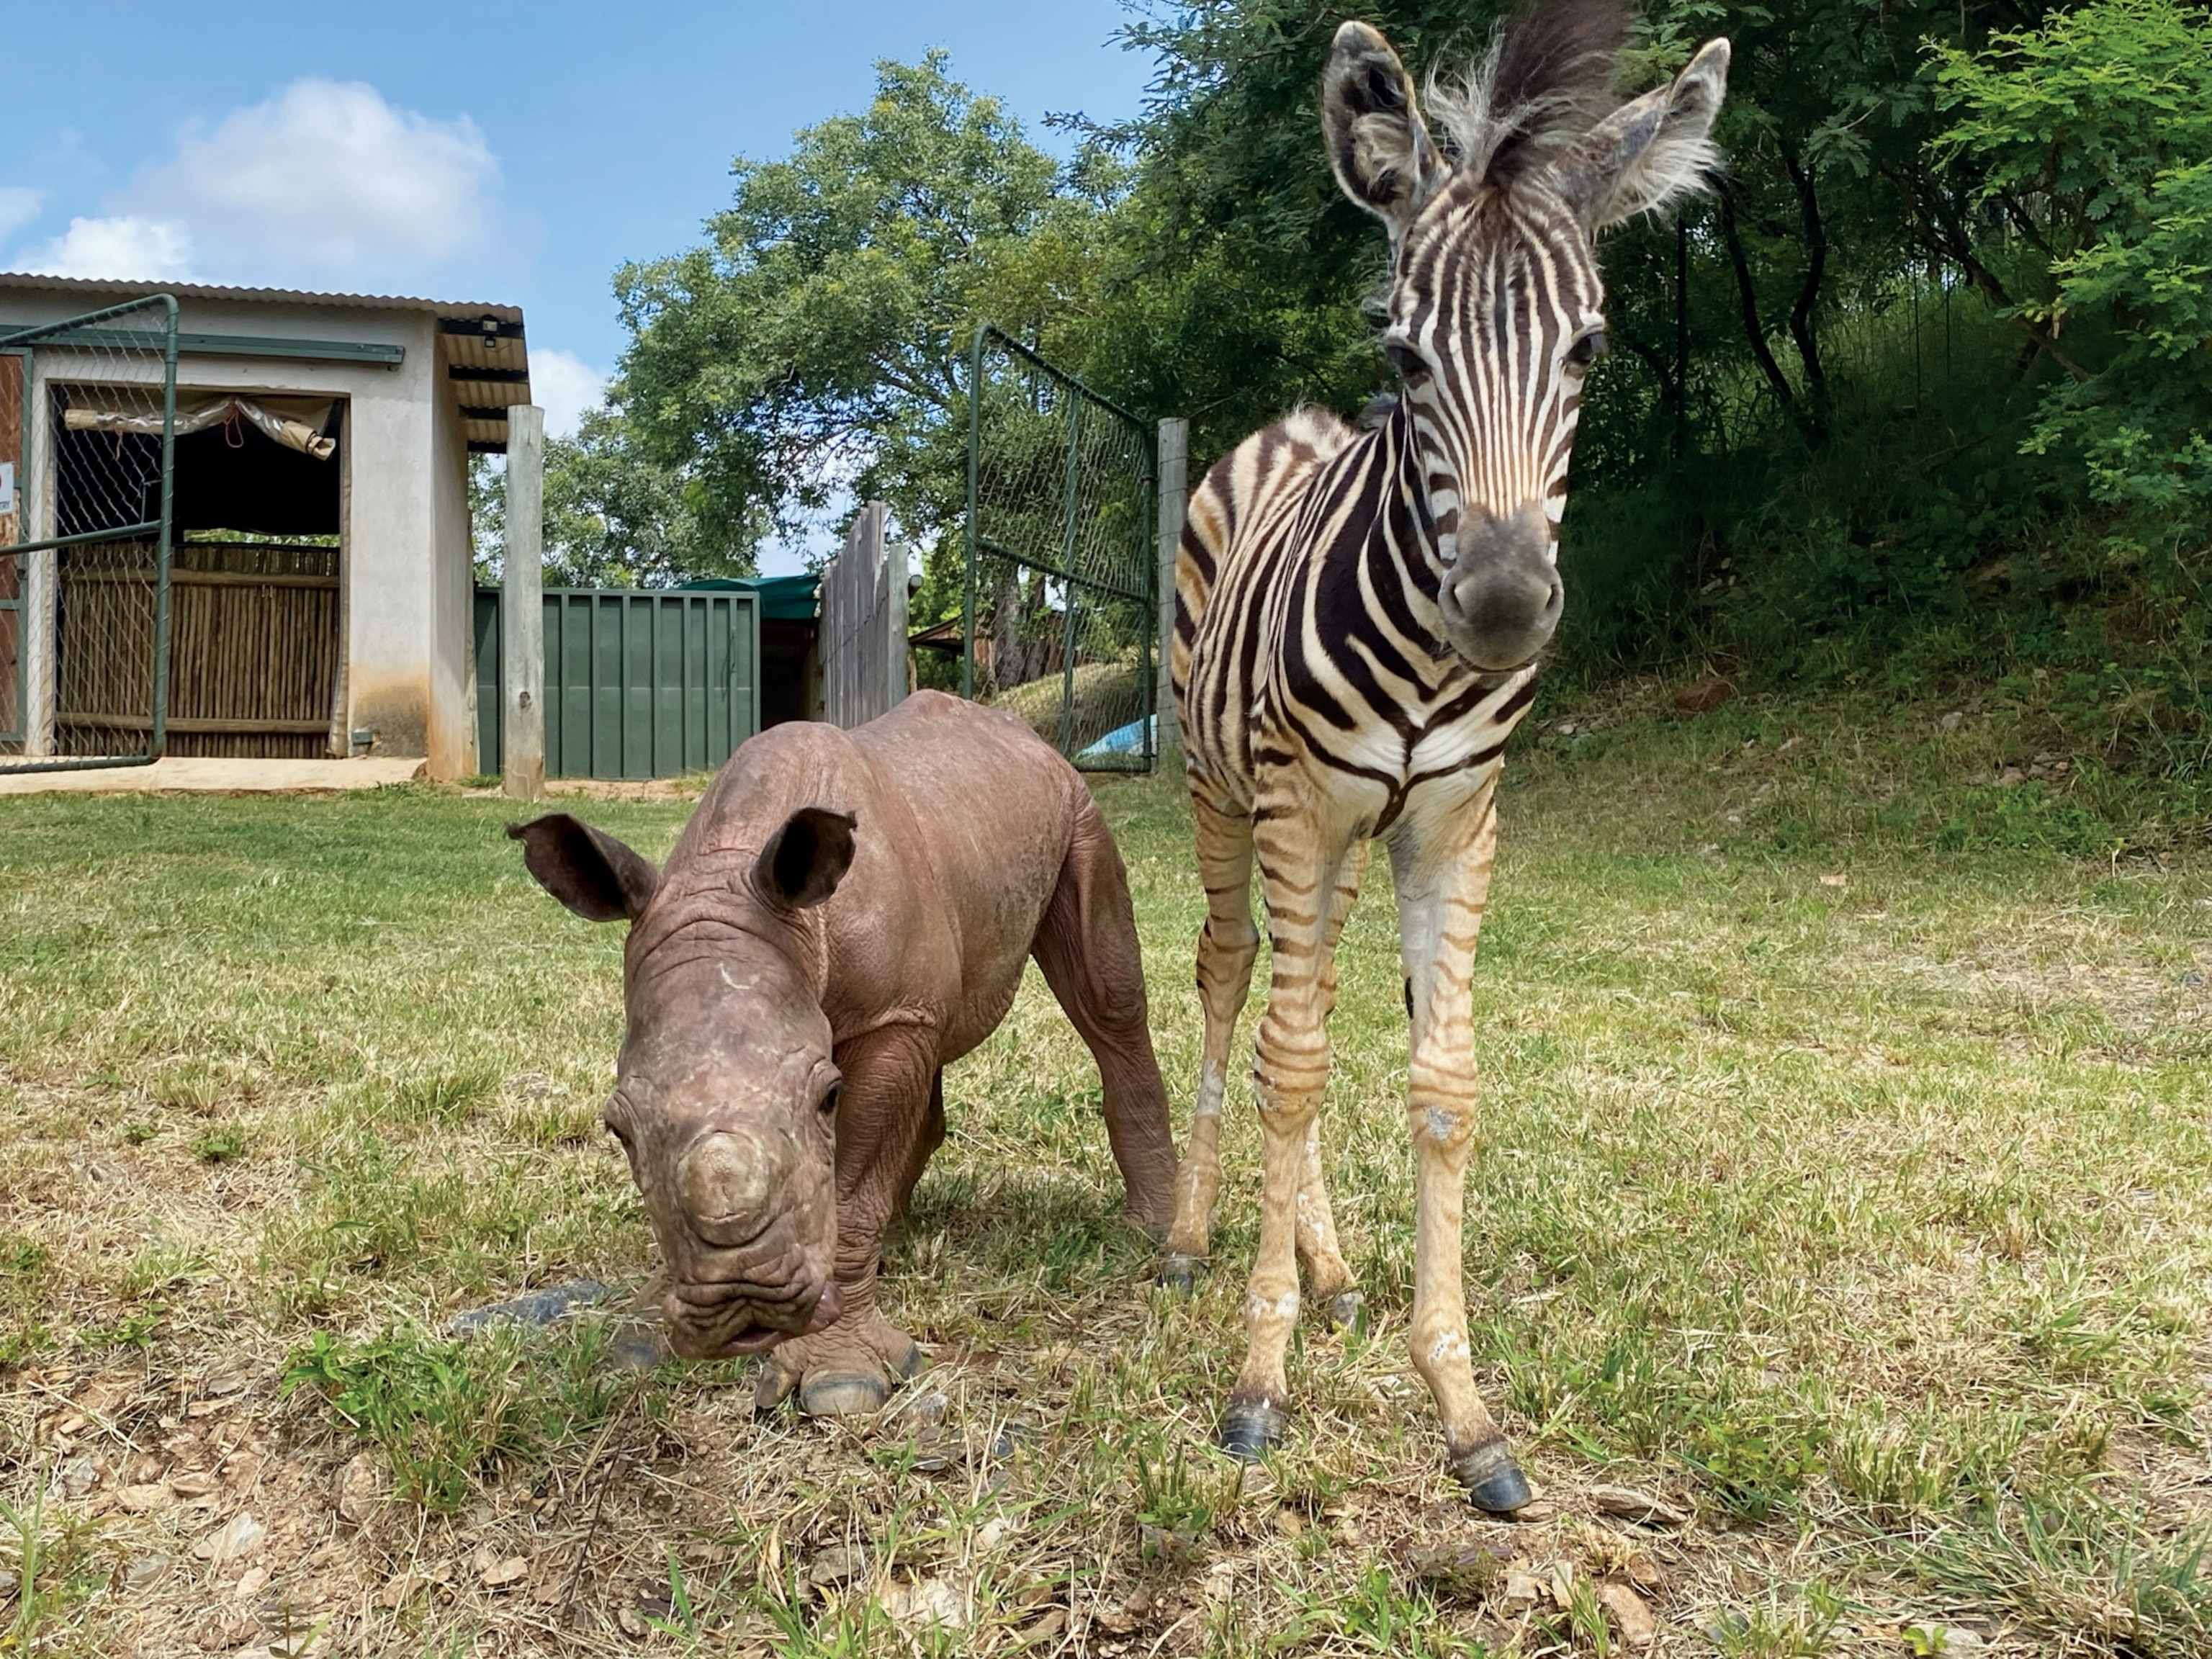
(928, 1601)
(234, 1541)
(360, 1492)
(1625, 1608)
(925, 1410)
(1471, 1570)
(1951, 721)
(76, 1478)
(250, 1582)
(206, 1407)
(638, 1345)
(2011, 776)
(147, 1570)
(1522, 1592)
(1634, 1506)
(1641, 1570)
(138, 1500)
(1835, 881)
(534, 1308)
(841, 1564)
(1541, 1508)
(194, 1485)
(633, 1623)
(399, 1590)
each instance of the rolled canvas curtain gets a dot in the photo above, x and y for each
(296, 423)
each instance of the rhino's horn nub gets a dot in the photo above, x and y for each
(725, 1182)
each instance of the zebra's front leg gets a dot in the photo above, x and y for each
(1442, 867)
(1290, 1071)
(1226, 949)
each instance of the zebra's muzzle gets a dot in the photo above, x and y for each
(1502, 597)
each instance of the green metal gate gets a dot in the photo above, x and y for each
(87, 462)
(1060, 615)
(638, 684)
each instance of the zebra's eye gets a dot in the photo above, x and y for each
(1408, 363)
(1588, 349)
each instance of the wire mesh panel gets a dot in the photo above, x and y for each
(88, 418)
(1059, 609)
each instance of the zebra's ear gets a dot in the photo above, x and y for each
(1381, 150)
(1649, 150)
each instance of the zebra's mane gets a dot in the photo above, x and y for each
(1546, 81)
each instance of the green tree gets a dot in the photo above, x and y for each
(2093, 136)
(814, 347)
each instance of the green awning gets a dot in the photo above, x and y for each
(782, 598)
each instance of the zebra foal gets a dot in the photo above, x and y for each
(1359, 617)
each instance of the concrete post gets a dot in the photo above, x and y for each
(1174, 495)
(522, 611)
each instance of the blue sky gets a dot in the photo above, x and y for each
(515, 154)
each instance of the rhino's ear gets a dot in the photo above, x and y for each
(590, 872)
(805, 860)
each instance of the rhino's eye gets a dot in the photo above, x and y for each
(828, 1104)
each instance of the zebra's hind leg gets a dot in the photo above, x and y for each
(1442, 865)
(1300, 871)
(1330, 1282)
(1226, 948)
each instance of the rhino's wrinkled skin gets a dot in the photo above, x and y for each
(846, 913)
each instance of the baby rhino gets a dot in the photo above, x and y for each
(846, 915)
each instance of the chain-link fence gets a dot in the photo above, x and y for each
(87, 419)
(1060, 602)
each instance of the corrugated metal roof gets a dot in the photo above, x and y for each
(19, 279)
(487, 370)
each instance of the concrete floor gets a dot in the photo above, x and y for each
(177, 775)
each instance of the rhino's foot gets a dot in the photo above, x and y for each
(848, 1371)
(1491, 1478)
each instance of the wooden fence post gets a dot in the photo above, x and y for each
(1175, 493)
(896, 681)
(522, 619)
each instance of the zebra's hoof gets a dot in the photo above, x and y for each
(1492, 1479)
(1178, 1273)
(1346, 1311)
(1249, 1430)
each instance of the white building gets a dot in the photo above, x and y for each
(321, 597)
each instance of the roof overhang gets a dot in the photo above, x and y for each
(483, 356)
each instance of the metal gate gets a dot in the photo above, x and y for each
(88, 459)
(638, 684)
(1061, 610)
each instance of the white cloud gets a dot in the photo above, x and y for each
(565, 386)
(19, 205)
(125, 246)
(325, 182)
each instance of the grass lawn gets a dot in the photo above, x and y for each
(1846, 1188)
